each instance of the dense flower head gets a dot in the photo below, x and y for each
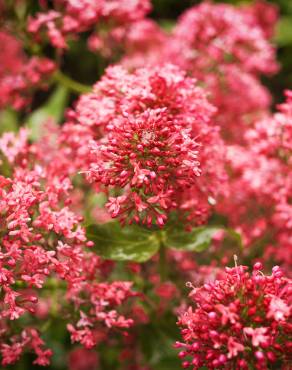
(258, 203)
(20, 75)
(239, 320)
(221, 34)
(151, 156)
(157, 136)
(12, 50)
(16, 89)
(43, 245)
(179, 129)
(70, 17)
(240, 99)
(263, 14)
(144, 44)
(272, 136)
(253, 177)
(226, 49)
(133, 92)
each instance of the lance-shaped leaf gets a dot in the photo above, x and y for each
(54, 108)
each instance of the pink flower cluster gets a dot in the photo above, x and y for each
(28, 339)
(261, 203)
(43, 245)
(98, 298)
(70, 17)
(159, 142)
(221, 34)
(272, 136)
(263, 14)
(226, 48)
(241, 320)
(19, 76)
(156, 138)
(144, 42)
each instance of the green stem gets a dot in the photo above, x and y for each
(162, 262)
(73, 85)
(50, 284)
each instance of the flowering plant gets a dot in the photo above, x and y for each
(145, 186)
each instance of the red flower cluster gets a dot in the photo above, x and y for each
(156, 149)
(28, 339)
(272, 136)
(156, 142)
(226, 48)
(71, 17)
(43, 246)
(239, 321)
(18, 74)
(219, 34)
(258, 171)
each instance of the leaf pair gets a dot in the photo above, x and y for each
(136, 243)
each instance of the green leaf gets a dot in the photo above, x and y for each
(167, 25)
(234, 235)
(135, 243)
(8, 121)
(196, 240)
(129, 243)
(283, 35)
(54, 108)
(159, 352)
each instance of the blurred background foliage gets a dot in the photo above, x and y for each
(167, 11)
(90, 67)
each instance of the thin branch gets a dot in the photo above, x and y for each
(71, 84)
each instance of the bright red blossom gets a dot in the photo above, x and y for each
(157, 136)
(70, 17)
(43, 245)
(240, 320)
(20, 75)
